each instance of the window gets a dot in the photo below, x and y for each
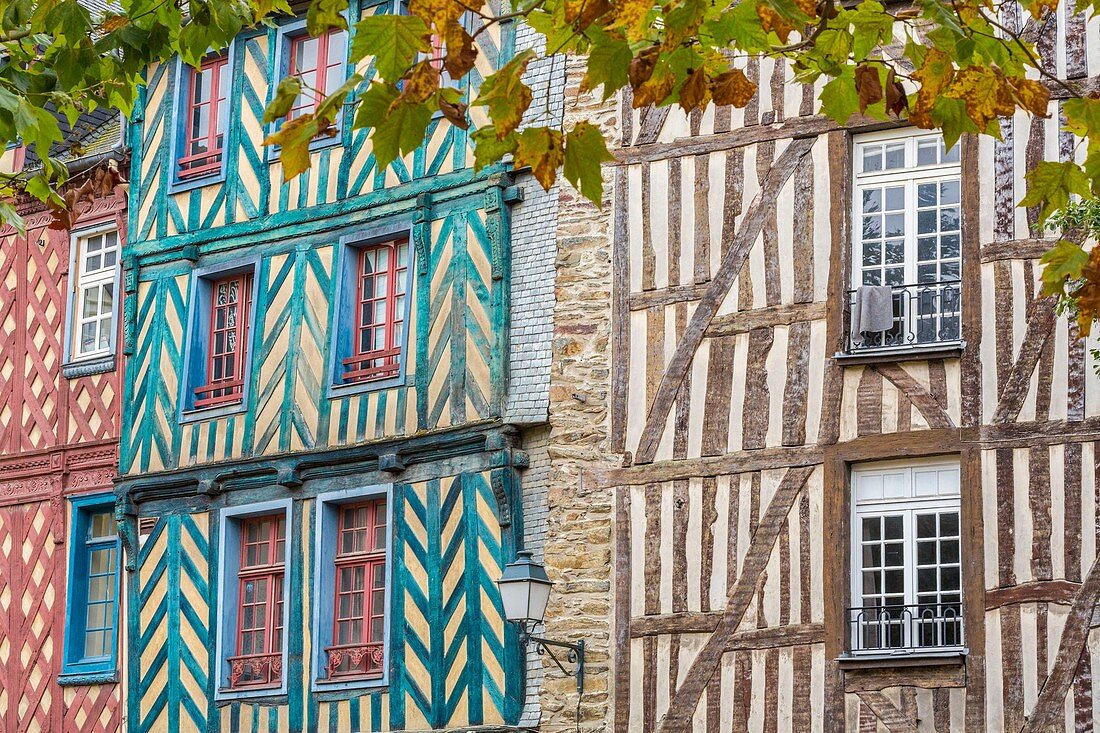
(94, 294)
(908, 235)
(92, 619)
(216, 366)
(360, 591)
(380, 297)
(205, 117)
(319, 63)
(229, 309)
(258, 661)
(252, 610)
(351, 588)
(906, 564)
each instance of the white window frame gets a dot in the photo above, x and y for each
(229, 543)
(82, 281)
(900, 498)
(909, 177)
(327, 522)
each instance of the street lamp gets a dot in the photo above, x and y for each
(524, 592)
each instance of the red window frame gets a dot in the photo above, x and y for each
(370, 361)
(358, 626)
(196, 164)
(263, 544)
(228, 345)
(437, 53)
(307, 101)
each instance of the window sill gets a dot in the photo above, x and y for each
(181, 185)
(343, 389)
(89, 366)
(211, 413)
(261, 695)
(941, 350)
(331, 691)
(75, 679)
(908, 658)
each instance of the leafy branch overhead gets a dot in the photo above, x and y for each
(958, 66)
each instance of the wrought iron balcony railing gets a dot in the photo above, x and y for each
(925, 314)
(922, 626)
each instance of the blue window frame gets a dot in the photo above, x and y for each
(91, 620)
(373, 308)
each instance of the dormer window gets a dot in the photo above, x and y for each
(205, 119)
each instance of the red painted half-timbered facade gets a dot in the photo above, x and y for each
(60, 354)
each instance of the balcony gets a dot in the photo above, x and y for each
(927, 317)
(914, 629)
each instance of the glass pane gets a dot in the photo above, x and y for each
(101, 524)
(895, 225)
(872, 227)
(949, 551)
(926, 580)
(872, 159)
(872, 200)
(872, 556)
(895, 581)
(949, 524)
(895, 156)
(895, 251)
(926, 194)
(926, 553)
(928, 152)
(95, 644)
(871, 528)
(926, 222)
(895, 198)
(894, 527)
(949, 578)
(895, 554)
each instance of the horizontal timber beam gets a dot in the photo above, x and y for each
(775, 315)
(1035, 591)
(666, 296)
(927, 678)
(731, 463)
(697, 622)
(1015, 249)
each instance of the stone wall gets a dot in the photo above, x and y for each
(578, 546)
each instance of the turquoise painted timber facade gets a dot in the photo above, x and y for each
(431, 443)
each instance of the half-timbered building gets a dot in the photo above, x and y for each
(850, 451)
(60, 401)
(322, 465)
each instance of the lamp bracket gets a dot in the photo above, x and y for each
(574, 655)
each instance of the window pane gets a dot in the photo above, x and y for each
(893, 526)
(871, 528)
(872, 158)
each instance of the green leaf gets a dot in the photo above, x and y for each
(393, 40)
(330, 107)
(373, 105)
(871, 27)
(325, 14)
(294, 138)
(285, 95)
(839, 98)
(490, 148)
(738, 27)
(505, 95)
(608, 62)
(400, 131)
(8, 215)
(585, 150)
(1064, 260)
(1082, 116)
(1050, 184)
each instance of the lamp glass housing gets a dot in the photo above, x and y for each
(524, 589)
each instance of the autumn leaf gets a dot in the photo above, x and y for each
(656, 90)
(400, 131)
(631, 17)
(897, 100)
(773, 22)
(732, 87)
(436, 12)
(293, 139)
(585, 151)
(506, 96)
(1087, 294)
(540, 148)
(1082, 116)
(421, 84)
(285, 95)
(583, 13)
(393, 40)
(1032, 95)
(695, 91)
(839, 99)
(325, 14)
(607, 64)
(868, 86)
(450, 104)
(461, 52)
(642, 66)
(986, 93)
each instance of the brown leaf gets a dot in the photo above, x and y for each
(630, 15)
(773, 21)
(733, 87)
(694, 92)
(582, 13)
(421, 84)
(461, 53)
(809, 7)
(455, 112)
(642, 66)
(868, 85)
(897, 101)
(654, 91)
(1088, 293)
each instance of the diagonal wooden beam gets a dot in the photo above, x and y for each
(895, 720)
(711, 301)
(929, 407)
(1040, 324)
(681, 709)
(651, 121)
(1050, 704)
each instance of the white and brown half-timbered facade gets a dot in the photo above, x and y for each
(858, 450)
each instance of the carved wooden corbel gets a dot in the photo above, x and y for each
(422, 232)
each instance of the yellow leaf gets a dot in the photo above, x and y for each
(694, 92)
(631, 16)
(541, 149)
(1032, 95)
(461, 53)
(437, 12)
(986, 93)
(772, 21)
(421, 84)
